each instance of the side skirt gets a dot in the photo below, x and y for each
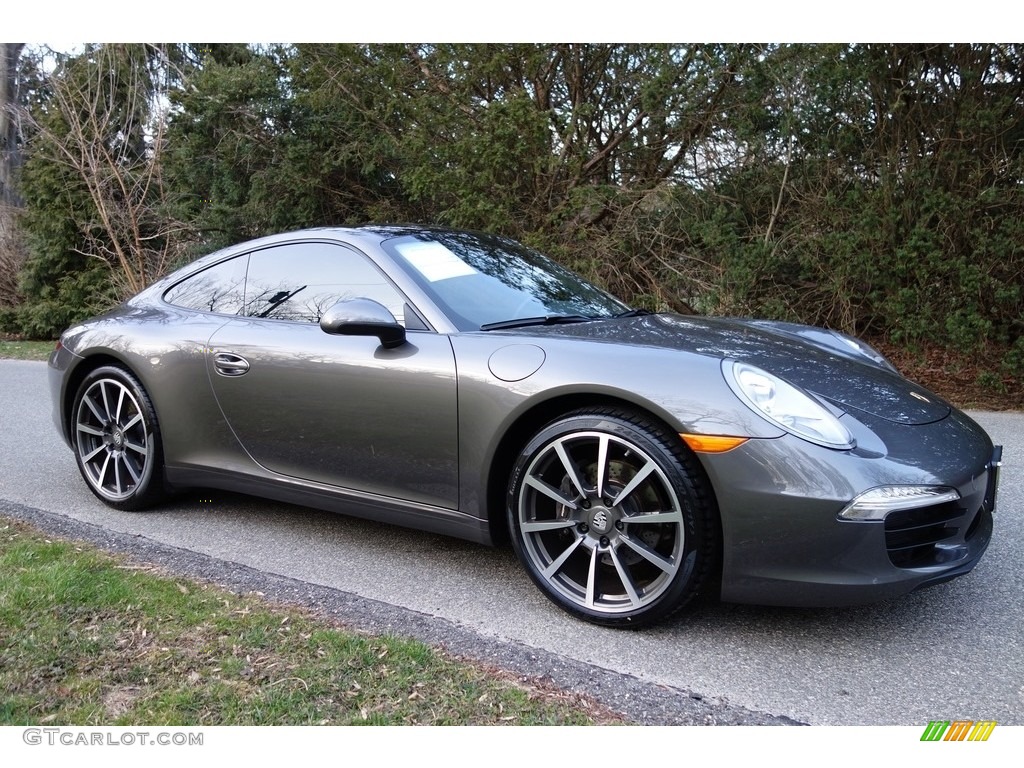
(421, 517)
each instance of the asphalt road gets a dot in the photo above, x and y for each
(955, 651)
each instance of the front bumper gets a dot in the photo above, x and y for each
(61, 361)
(783, 543)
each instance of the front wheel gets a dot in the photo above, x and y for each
(117, 439)
(612, 518)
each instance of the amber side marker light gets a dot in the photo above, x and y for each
(712, 443)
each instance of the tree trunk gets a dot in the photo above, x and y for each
(10, 153)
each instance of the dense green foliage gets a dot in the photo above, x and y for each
(874, 188)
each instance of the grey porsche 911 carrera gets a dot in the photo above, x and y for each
(464, 384)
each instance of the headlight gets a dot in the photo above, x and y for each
(783, 404)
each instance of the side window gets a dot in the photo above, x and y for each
(300, 282)
(220, 288)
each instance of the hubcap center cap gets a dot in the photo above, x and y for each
(118, 438)
(601, 520)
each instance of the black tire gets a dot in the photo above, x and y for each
(116, 440)
(628, 545)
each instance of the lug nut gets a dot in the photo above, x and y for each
(583, 528)
(604, 541)
(618, 525)
(585, 504)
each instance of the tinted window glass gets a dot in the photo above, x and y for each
(219, 288)
(300, 282)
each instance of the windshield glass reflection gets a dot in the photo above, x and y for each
(482, 279)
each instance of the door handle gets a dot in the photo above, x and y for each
(228, 364)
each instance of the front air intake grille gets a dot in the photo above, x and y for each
(911, 535)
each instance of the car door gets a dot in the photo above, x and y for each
(338, 410)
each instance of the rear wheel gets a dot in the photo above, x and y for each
(612, 518)
(117, 439)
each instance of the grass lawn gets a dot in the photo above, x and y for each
(87, 638)
(25, 350)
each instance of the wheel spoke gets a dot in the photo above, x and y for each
(536, 526)
(120, 402)
(95, 410)
(103, 470)
(674, 516)
(547, 490)
(602, 464)
(135, 447)
(635, 483)
(117, 476)
(570, 468)
(625, 578)
(552, 569)
(81, 427)
(137, 418)
(93, 454)
(106, 401)
(131, 470)
(592, 578)
(668, 565)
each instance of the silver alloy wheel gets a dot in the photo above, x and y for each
(113, 441)
(601, 523)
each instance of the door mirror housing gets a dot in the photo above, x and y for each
(363, 317)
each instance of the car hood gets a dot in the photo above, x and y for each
(801, 355)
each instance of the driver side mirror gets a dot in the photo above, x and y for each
(363, 317)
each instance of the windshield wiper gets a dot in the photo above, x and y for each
(634, 313)
(522, 322)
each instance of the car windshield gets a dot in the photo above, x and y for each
(483, 281)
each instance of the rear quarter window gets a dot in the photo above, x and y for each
(220, 288)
